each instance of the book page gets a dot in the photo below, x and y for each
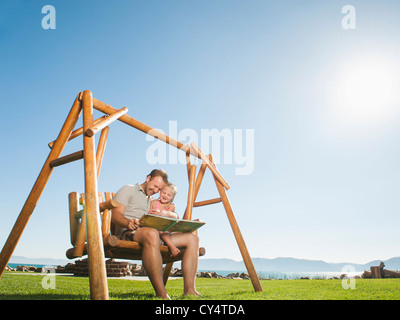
(169, 224)
(186, 226)
(157, 222)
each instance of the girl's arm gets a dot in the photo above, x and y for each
(172, 207)
(170, 213)
(153, 209)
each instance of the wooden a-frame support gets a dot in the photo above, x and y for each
(85, 103)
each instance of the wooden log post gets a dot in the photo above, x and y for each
(375, 272)
(97, 267)
(81, 236)
(188, 165)
(190, 200)
(238, 235)
(101, 148)
(199, 179)
(106, 218)
(73, 199)
(39, 185)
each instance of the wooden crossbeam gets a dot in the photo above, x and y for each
(67, 159)
(207, 202)
(96, 127)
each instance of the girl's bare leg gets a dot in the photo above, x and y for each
(166, 237)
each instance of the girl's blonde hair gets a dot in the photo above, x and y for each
(172, 187)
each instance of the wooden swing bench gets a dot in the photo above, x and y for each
(113, 247)
(89, 235)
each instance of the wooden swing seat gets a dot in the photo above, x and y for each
(113, 247)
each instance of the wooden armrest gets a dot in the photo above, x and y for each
(110, 204)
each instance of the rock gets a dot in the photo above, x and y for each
(60, 269)
(25, 268)
(176, 272)
(69, 267)
(244, 276)
(233, 275)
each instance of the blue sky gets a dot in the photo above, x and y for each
(321, 100)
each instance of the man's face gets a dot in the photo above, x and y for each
(153, 185)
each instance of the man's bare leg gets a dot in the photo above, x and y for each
(189, 261)
(151, 258)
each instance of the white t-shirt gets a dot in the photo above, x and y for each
(135, 200)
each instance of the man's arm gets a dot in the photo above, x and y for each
(119, 219)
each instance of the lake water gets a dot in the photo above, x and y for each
(262, 274)
(289, 275)
(14, 265)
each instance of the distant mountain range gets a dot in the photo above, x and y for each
(260, 264)
(292, 265)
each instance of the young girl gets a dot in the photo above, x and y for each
(164, 207)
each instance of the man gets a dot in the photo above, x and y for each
(134, 203)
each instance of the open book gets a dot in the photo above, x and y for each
(169, 224)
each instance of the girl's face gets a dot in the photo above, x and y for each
(166, 195)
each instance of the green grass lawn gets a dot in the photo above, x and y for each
(21, 286)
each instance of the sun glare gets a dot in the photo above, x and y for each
(365, 92)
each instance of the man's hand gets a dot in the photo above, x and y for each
(133, 224)
(119, 219)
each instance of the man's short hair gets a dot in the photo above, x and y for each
(159, 173)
